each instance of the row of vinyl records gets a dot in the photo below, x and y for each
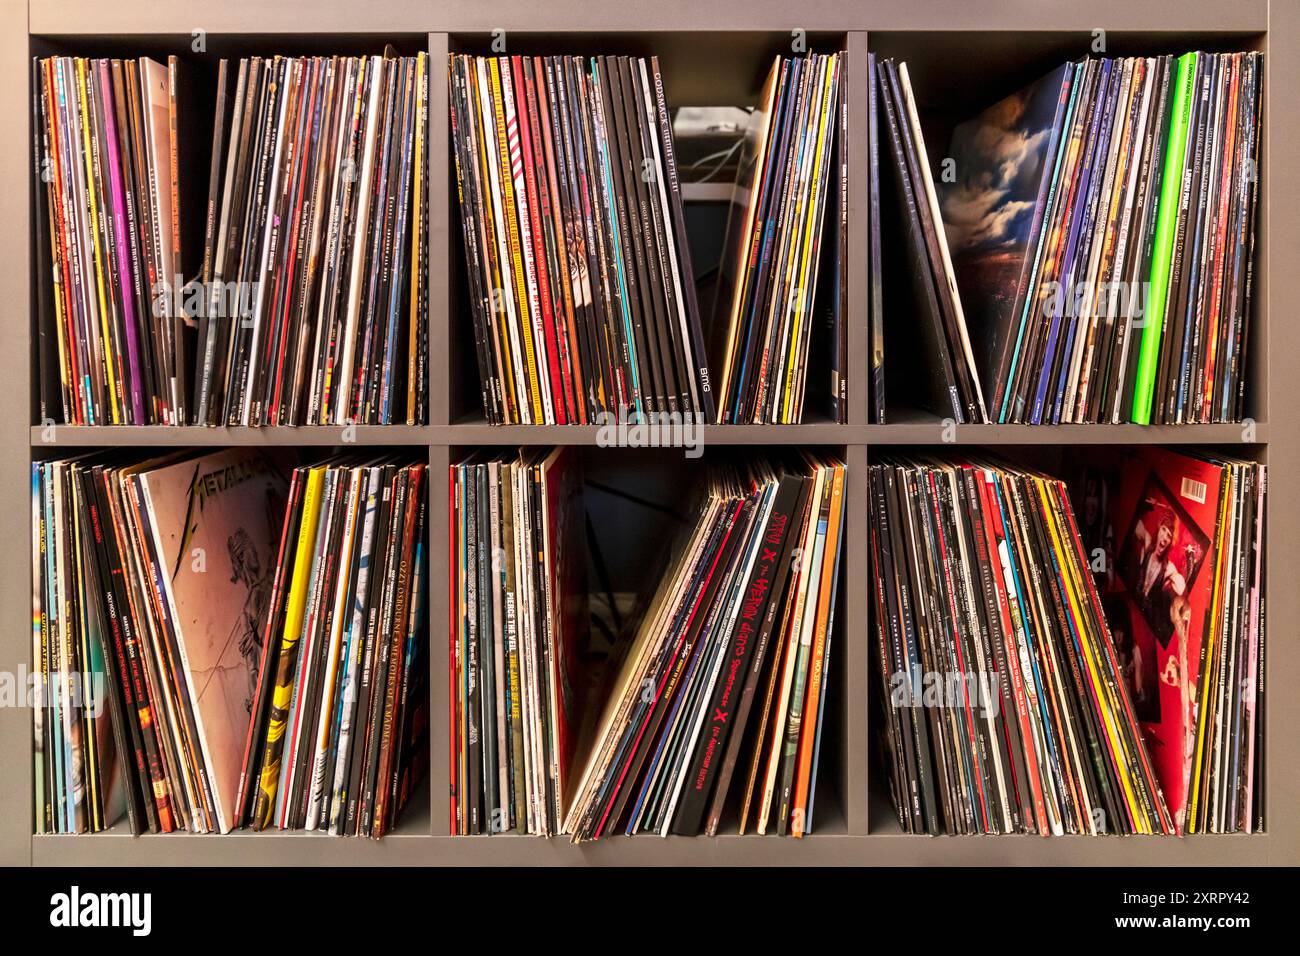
(713, 698)
(577, 258)
(297, 295)
(223, 641)
(1087, 255)
(1042, 674)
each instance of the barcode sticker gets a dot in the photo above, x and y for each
(1194, 490)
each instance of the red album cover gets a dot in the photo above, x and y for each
(1149, 528)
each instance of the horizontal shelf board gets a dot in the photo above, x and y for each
(935, 432)
(812, 434)
(932, 432)
(107, 436)
(73, 17)
(1159, 16)
(245, 849)
(180, 17)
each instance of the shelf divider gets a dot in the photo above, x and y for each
(16, 396)
(439, 585)
(441, 247)
(856, 641)
(856, 83)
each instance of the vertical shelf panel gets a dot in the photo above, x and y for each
(439, 667)
(15, 399)
(857, 637)
(1278, 348)
(438, 315)
(855, 86)
(441, 248)
(856, 659)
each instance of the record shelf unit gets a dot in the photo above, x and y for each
(712, 53)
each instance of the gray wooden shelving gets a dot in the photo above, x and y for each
(713, 53)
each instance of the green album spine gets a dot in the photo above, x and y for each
(1166, 226)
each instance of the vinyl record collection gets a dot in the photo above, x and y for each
(518, 617)
(776, 235)
(219, 645)
(339, 729)
(296, 296)
(237, 638)
(721, 692)
(1182, 588)
(929, 351)
(1102, 223)
(1005, 705)
(108, 221)
(317, 207)
(150, 582)
(580, 279)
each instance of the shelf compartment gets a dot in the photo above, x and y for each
(196, 110)
(1070, 464)
(939, 65)
(698, 69)
(635, 500)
